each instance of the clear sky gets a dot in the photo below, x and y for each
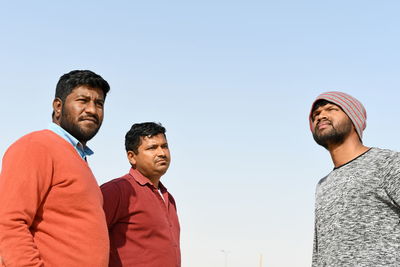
(232, 81)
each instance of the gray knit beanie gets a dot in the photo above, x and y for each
(351, 106)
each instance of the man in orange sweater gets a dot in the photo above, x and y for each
(51, 206)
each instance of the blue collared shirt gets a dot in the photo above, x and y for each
(83, 151)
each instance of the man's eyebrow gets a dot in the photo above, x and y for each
(88, 96)
(82, 95)
(315, 112)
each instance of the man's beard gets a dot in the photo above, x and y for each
(68, 124)
(334, 136)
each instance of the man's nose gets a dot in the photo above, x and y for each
(90, 107)
(320, 116)
(160, 151)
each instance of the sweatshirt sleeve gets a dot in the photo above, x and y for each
(24, 182)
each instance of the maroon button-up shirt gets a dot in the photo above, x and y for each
(144, 228)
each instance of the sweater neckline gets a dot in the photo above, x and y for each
(362, 154)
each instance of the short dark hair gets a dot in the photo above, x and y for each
(76, 78)
(138, 130)
(320, 103)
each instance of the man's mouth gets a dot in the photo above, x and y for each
(323, 124)
(91, 119)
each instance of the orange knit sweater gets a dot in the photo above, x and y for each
(50, 206)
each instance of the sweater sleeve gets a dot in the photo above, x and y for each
(24, 182)
(392, 179)
(315, 249)
(315, 240)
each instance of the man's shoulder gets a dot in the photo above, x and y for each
(42, 138)
(117, 183)
(383, 152)
(388, 159)
(37, 137)
(119, 188)
(380, 157)
(322, 180)
(375, 159)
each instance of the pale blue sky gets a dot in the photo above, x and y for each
(232, 81)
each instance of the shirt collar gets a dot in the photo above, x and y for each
(82, 150)
(143, 180)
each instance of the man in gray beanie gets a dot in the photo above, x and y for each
(357, 211)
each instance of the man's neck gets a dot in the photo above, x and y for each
(350, 149)
(58, 123)
(155, 181)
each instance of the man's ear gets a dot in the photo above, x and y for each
(131, 157)
(57, 107)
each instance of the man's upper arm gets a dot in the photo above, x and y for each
(112, 198)
(392, 179)
(24, 181)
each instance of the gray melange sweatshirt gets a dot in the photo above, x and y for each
(357, 213)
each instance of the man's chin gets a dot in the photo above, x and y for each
(89, 129)
(323, 132)
(322, 140)
(88, 126)
(85, 135)
(162, 169)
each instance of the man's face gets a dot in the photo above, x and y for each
(153, 157)
(82, 112)
(330, 125)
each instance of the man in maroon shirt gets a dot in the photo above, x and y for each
(141, 214)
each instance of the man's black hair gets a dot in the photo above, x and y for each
(320, 103)
(76, 78)
(138, 130)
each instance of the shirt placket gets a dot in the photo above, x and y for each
(165, 207)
